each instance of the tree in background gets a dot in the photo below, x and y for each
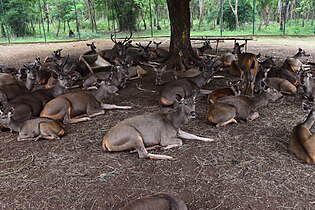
(244, 15)
(126, 13)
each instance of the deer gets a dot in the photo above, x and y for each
(232, 108)
(234, 69)
(185, 86)
(80, 106)
(153, 130)
(291, 76)
(32, 129)
(308, 85)
(227, 59)
(31, 104)
(280, 84)
(160, 52)
(201, 50)
(160, 201)
(268, 62)
(302, 140)
(249, 65)
(19, 87)
(232, 90)
(5, 68)
(294, 63)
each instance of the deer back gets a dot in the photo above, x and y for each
(308, 85)
(160, 201)
(294, 63)
(302, 141)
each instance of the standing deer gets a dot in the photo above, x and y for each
(80, 106)
(153, 130)
(32, 129)
(250, 67)
(302, 141)
(185, 86)
(294, 63)
(161, 201)
(230, 108)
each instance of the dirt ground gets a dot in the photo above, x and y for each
(248, 166)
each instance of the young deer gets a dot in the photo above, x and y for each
(32, 129)
(161, 201)
(80, 106)
(302, 141)
(153, 130)
(185, 86)
(230, 108)
(250, 67)
(232, 90)
(291, 76)
(294, 63)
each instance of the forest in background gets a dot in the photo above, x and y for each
(32, 20)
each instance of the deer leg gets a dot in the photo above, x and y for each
(227, 122)
(185, 135)
(147, 148)
(113, 106)
(68, 119)
(48, 137)
(20, 138)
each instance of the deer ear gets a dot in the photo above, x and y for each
(11, 112)
(179, 99)
(194, 94)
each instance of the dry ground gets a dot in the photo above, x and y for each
(248, 166)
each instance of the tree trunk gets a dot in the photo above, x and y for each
(46, 11)
(181, 54)
(267, 16)
(234, 10)
(91, 11)
(58, 28)
(201, 12)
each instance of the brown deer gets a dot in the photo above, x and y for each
(232, 90)
(153, 130)
(185, 86)
(294, 63)
(250, 67)
(308, 85)
(231, 108)
(161, 201)
(291, 76)
(32, 129)
(280, 84)
(201, 50)
(302, 141)
(227, 59)
(80, 106)
(161, 52)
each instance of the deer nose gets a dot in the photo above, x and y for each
(193, 114)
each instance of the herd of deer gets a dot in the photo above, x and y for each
(40, 97)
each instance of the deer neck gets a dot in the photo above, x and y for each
(29, 84)
(298, 55)
(177, 118)
(100, 93)
(308, 123)
(57, 90)
(260, 100)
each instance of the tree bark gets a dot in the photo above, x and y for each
(46, 11)
(181, 55)
(201, 12)
(234, 10)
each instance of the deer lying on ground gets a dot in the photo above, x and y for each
(31, 104)
(161, 201)
(227, 59)
(232, 90)
(294, 63)
(291, 76)
(308, 85)
(160, 52)
(80, 106)
(268, 62)
(302, 141)
(250, 67)
(19, 87)
(185, 86)
(280, 84)
(4, 68)
(153, 130)
(6, 78)
(231, 108)
(32, 129)
(201, 50)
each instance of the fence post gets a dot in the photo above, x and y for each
(221, 17)
(76, 18)
(41, 19)
(5, 23)
(285, 15)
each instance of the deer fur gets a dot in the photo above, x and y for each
(291, 76)
(302, 141)
(161, 201)
(32, 129)
(153, 130)
(308, 85)
(250, 67)
(185, 86)
(232, 90)
(232, 108)
(294, 63)
(80, 106)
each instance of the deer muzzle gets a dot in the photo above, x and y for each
(192, 114)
